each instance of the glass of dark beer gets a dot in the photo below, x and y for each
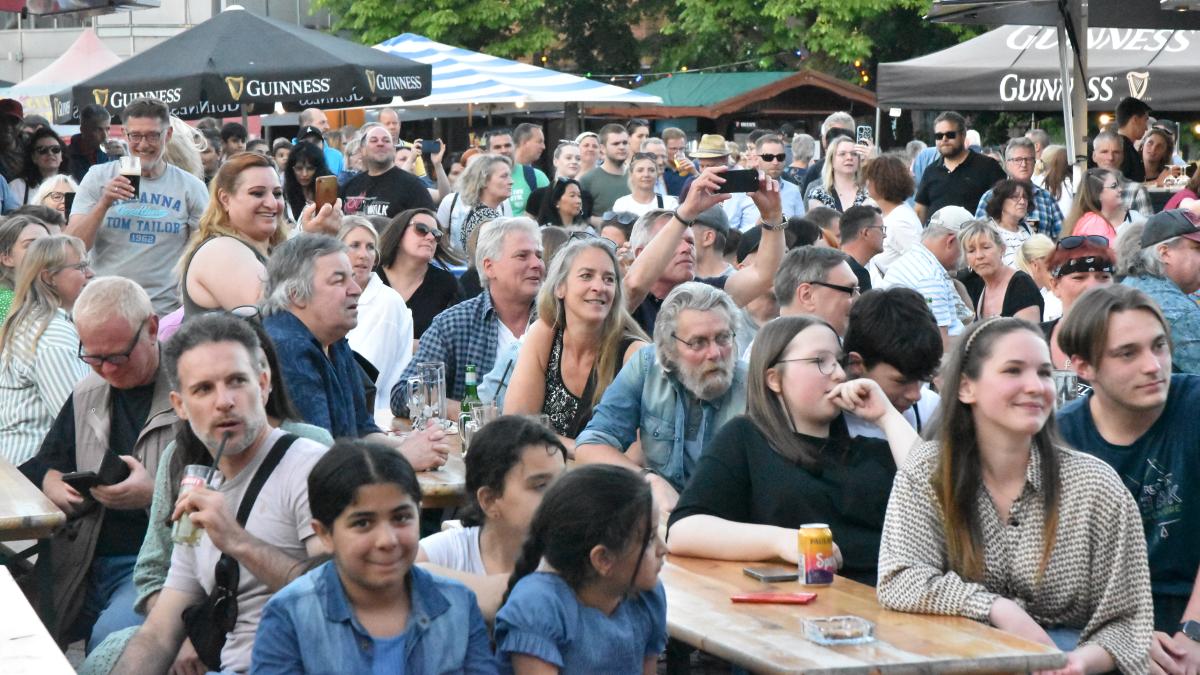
(131, 169)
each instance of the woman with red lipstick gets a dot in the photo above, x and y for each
(581, 340)
(224, 264)
(995, 520)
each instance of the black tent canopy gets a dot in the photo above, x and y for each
(240, 59)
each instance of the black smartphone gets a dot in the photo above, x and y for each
(82, 481)
(739, 180)
(68, 201)
(112, 471)
(772, 573)
(864, 134)
(431, 147)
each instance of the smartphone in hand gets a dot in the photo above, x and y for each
(739, 180)
(864, 134)
(325, 191)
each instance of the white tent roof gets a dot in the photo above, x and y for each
(462, 77)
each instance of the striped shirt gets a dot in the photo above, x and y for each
(1097, 579)
(35, 382)
(920, 270)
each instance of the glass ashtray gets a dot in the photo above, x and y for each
(839, 630)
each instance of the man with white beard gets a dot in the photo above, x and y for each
(676, 393)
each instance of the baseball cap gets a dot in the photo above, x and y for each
(12, 108)
(305, 132)
(714, 217)
(951, 218)
(1170, 224)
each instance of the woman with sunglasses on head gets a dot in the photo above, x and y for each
(384, 334)
(994, 519)
(408, 249)
(1099, 208)
(642, 175)
(790, 460)
(840, 186)
(224, 264)
(40, 365)
(582, 338)
(53, 192)
(1075, 265)
(995, 288)
(44, 157)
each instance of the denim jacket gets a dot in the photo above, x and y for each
(646, 398)
(309, 627)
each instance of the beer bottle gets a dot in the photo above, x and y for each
(471, 398)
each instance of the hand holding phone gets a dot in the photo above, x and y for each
(864, 134)
(325, 191)
(739, 180)
(431, 147)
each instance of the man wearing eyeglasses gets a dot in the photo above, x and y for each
(960, 176)
(141, 232)
(1020, 155)
(818, 281)
(672, 396)
(121, 411)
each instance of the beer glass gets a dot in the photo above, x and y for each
(427, 394)
(131, 169)
(470, 422)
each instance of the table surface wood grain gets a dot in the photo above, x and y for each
(25, 646)
(770, 638)
(25, 513)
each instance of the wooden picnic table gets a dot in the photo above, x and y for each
(444, 487)
(770, 638)
(25, 513)
(25, 646)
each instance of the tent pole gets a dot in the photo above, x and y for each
(878, 121)
(1068, 84)
(245, 118)
(1077, 14)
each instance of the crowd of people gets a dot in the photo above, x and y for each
(979, 374)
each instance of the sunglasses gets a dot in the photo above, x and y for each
(949, 135)
(585, 235)
(852, 291)
(622, 217)
(1075, 241)
(423, 230)
(768, 157)
(48, 150)
(645, 155)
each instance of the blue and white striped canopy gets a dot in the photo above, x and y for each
(461, 77)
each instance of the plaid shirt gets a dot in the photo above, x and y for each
(466, 333)
(1044, 208)
(1136, 198)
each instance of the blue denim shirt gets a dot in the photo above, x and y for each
(309, 627)
(646, 398)
(1183, 316)
(327, 390)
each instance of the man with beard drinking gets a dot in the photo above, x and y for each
(676, 393)
(220, 388)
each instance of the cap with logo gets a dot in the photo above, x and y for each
(1170, 224)
(306, 132)
(710, 147)
(10, 107)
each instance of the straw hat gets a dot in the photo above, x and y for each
(710, 146)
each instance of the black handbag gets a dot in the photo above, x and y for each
(209, 622)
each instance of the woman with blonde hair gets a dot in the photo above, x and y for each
(1060, 178)
(582, 338)
(483, 191)
(1032, 259)
(224, 264)
(641, 175)
(17, 234)
(1157, 149)
(40, 364)
(996, 289)
(840, 186)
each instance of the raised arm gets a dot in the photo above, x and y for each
(756, 280)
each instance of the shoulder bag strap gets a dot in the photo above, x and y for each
(262, 474)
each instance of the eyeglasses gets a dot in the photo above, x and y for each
(1075, 241)
(701, 344)
(622, 217)
(948, 135)
(48, 150)
(1019, 198)
(81, 266)
(768, 157)
(425, 230)
(56, 196)
(1021, 160)
(1114, 186)
(115, 359)
(827, 363)
(853, 291)
(134, 138)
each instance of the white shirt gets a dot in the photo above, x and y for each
(383, 336)
(901, 231)
(505, 337)
(631, 205)
(917, 415)
(456, 549)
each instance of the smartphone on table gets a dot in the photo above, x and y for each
(772, 573)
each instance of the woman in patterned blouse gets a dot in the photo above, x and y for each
(993, 519)
(841, 185)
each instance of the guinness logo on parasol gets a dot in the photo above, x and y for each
(236, 86)
(371, 80)
(1139, 84)
(100, 96)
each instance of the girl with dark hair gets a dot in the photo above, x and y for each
(511, 463)
(45, 156)
(565, 205)
(789, 460)
(409, 247)
(995, 520)
(305, 164)
(369, 609)
(602, 607)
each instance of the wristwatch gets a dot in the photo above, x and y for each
(1191, 629)
(771, 228)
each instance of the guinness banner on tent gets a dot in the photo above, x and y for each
(238, 58)
(1017, 68)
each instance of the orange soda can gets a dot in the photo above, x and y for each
(817, 563)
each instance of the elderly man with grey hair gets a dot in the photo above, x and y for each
(1044, 216)
(508, 256)
(1161, 258)
(311, 303)
(675, 394)
(1108, 152)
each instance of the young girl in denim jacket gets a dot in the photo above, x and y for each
(585, 595)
